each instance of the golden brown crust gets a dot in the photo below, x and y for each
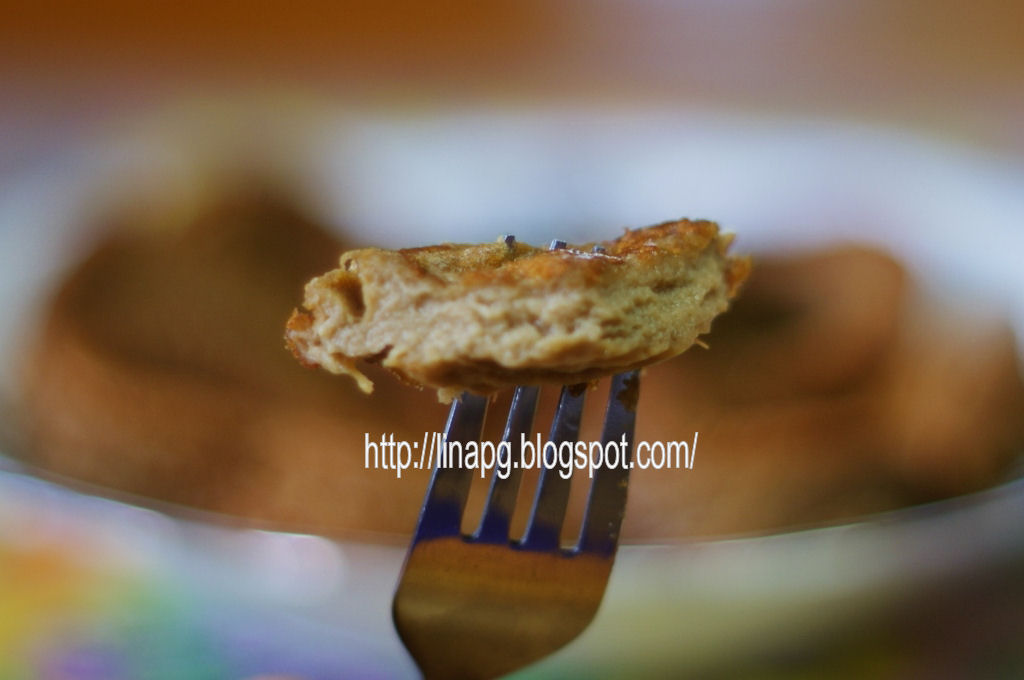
(482, 317)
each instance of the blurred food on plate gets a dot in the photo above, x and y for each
(833, 389)
(161, 371)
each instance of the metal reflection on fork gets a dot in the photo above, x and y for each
(483, 605)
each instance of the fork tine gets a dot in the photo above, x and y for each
(445, 499)
(501, 497)
(606, 502)
(544, 528)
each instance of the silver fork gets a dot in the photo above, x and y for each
(484, 605)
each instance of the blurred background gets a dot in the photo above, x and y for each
(952, 71)
(204, 160)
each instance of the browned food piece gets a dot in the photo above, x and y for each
(159, 372)
(952, 411)
(483, 317)
(806, 324)
(831, 390)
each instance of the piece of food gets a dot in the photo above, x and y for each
(158, 371)
(833, 389)
(483, 317)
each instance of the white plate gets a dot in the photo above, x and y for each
(956, 215)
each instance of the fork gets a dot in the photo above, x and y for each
(484, 605)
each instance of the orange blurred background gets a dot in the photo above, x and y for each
(955, 68)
